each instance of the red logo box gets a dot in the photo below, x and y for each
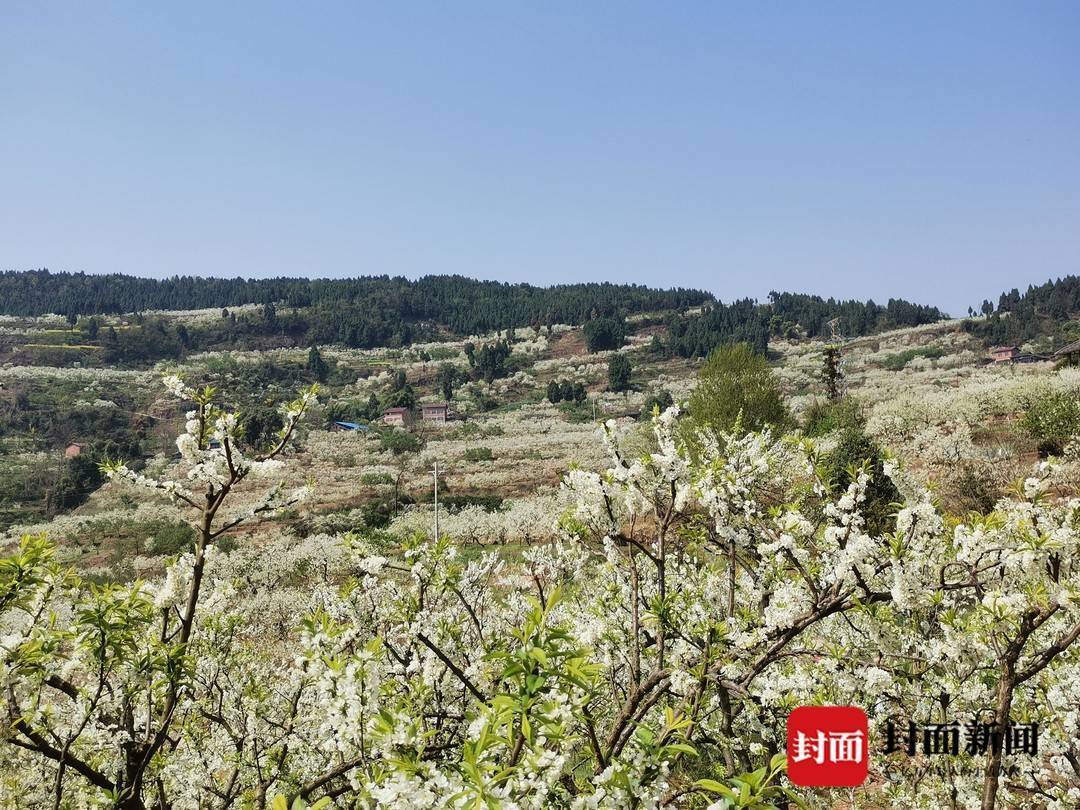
(827, 746)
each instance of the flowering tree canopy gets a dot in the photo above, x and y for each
(647, 657)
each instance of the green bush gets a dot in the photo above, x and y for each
(895, 362)
(399, 441)
(618, 372)
(735, 382)
(660, 400)
(1052, 420)
(854, 448)
(479, 454)
(374, 478)
(823, 417)
(604, 333)
(169, 537)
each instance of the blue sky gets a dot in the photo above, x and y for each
(923, 150)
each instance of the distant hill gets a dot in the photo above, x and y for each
(1049, 312)
(791, 315)
(382, 311)
(463, 304)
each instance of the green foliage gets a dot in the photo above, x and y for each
(491, 360)
(1046, 310)
(452, 503)
(787, 315)
(447, 378)
(736, 385)
(619, 372)
(657, 401)
(853, 450)
(1052, 420)
(604, 333)
(364, 312)
(375, 478)
(479, 454)
(169, 537)
(895, 362)
(380, 512)
(753, 791)
(316, 365)
(399, 441)
(831, 373)
(824, 416)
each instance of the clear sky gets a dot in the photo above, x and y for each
(923, 150)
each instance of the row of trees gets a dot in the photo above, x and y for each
(466, 306)
(788, 315)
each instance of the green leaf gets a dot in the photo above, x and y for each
(712, 786)
(683, 748)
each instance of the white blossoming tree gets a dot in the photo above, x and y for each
(97, 680)
(646, 658)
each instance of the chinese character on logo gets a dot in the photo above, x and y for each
(827, 746)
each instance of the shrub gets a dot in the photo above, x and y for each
(399, 441)
(659, 400)
(736, 380)
(824, 417)
(895, 362)
(852, 450)
(373, 478)
(479, 454)
(170, 536)
(1052, 419)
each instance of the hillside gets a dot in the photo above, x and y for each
(926, 394)
(581, 541)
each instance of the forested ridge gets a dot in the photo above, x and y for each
(462, 304)
(1050, 310)
(370, 311)
(790, 315)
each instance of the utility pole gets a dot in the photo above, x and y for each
(435, 474)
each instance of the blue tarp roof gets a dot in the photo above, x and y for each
(351, 426)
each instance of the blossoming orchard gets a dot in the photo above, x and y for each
(645, 650)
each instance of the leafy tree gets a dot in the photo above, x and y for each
(554, 392)
(736, 385)
(491, 360)
(619, 372)
(447, 378)
(856, 451)
(316, 365)
(831, 374)
(1052, 419)
(399, 441)
(604, 333)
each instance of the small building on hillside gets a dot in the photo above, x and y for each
(338, 426)
(73, 450)
(399, 417)
(435, 412)
(1004, 354)
(1069, 354)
